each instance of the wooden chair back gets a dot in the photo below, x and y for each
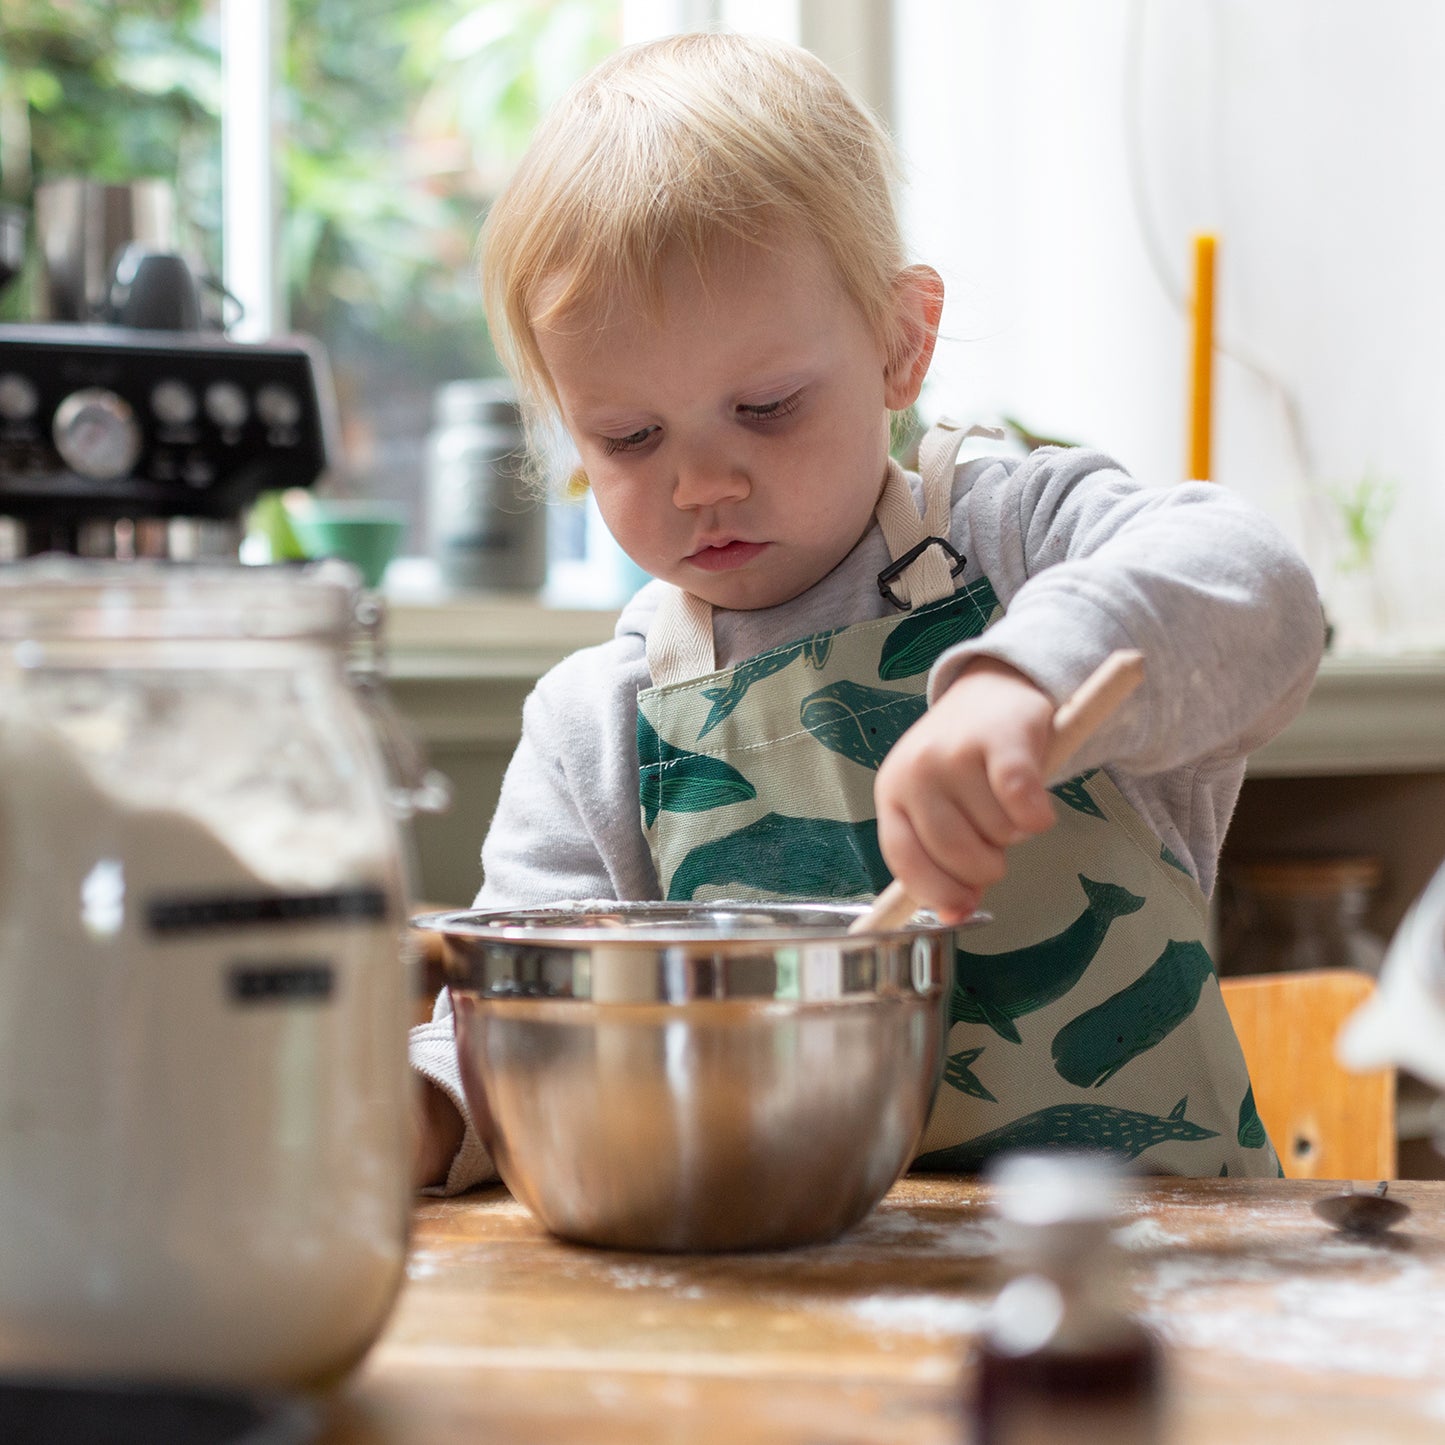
(1324, 1121)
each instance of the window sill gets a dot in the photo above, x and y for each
(487, 637)
(465, 663)
(1365, 715)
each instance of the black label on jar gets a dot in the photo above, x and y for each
(204, 913)
(301, 980)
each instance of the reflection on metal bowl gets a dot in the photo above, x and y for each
(697, 1077)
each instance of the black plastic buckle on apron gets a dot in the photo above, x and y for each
(895, 569)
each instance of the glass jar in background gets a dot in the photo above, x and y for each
(1281, 914)
(205, 1104)
(487, 527)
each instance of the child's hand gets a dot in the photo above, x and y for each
(963, 784)
(438, 1131)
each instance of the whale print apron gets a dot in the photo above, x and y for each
(1087, 1014)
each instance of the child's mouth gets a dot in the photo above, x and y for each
(728, 556)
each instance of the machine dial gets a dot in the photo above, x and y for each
(173, 402)
(96, 434)
(226, 404)
(278, 405)
(18, 398)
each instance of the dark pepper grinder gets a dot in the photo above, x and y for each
(1060, 1359)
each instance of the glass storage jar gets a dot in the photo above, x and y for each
(205, 1102)
(488, 530)
(1300, 913)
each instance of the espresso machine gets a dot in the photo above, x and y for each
(131, 425)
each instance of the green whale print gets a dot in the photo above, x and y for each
(915, 643)
(1080, 1126)
(1076, 795)
(799, 857)
(1251, 1133)
(1092, 1048)
(674, 780)
(958, 1071)
(996, 988)
(860, 722)
(813, 650)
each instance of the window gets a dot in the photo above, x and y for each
(399, 122)
(332, 159)
(111, 90)
(1062, 158)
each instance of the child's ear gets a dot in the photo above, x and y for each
(918, 307)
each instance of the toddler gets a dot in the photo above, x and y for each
(845, 672)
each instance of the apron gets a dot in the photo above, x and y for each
(1087, 1013)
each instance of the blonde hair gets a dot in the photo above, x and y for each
(680, 146)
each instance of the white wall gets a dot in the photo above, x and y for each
(1310, 134)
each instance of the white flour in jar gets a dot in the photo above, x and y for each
(204, 1106)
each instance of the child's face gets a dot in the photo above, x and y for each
(736, 447)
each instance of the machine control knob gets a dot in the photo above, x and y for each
(278, 405)
(173, 402)
(226, 404)
(18, 397)
(96, 434)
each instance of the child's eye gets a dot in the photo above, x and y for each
(629, 443)
(772, 410)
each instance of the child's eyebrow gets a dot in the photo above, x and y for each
(773, 386)
(600, 410)
(617, 416)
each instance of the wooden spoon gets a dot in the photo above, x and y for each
(1076, 719)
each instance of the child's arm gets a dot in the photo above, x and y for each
(1088, 560)
(567, 822)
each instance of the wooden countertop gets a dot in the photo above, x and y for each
(1276, 1326)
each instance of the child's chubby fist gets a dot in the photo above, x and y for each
(963, 785)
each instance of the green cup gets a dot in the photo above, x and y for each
(363, 532)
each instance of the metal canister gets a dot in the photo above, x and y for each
(487, 526)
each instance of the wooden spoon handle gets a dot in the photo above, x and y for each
(1097, 699)
(1075, 721)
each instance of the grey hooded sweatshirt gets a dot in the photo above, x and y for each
(1085, 560)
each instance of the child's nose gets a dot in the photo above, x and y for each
(708, 482)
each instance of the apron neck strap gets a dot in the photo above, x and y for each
(680, 641)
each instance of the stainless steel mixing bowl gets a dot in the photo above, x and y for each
(731, 1076)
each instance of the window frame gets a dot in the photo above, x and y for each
(855, 37)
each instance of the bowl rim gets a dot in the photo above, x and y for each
(516, 926)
